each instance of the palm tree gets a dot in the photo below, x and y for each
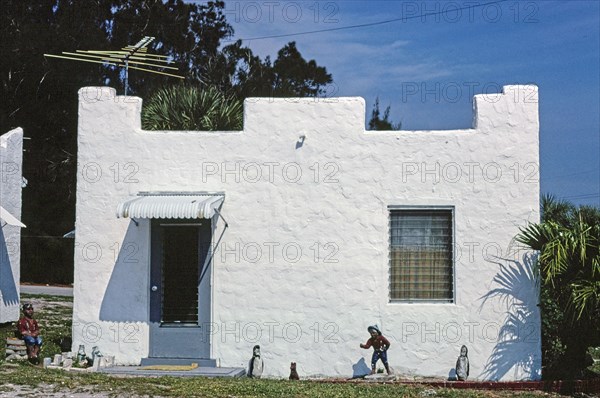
(184, 107)
(568, 241)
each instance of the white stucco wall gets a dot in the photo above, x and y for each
(314, 308)
(11, 172)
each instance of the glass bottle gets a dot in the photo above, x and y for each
(81, 353)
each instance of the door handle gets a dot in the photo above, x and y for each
(154, 288)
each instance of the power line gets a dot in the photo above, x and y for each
(364, 25)
(43, 236)
(571, 174)
(583, 196)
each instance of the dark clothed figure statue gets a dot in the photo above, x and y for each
(30, 332)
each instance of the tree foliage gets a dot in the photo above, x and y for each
(378, 123)
(40, 94)
(568, 241)
(232, 75)
(296, 77)
(238, 71)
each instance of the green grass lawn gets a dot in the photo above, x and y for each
(54, 315)
(221, 387)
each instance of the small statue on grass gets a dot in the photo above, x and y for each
(380, 346)
(29, 331)
(293, 372)
(462, 364)
(256, 365)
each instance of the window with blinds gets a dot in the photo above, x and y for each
(421, 255)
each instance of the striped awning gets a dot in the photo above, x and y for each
(171, 205)
(9, 218)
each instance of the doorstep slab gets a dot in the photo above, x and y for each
(201, 371)
(202, 362)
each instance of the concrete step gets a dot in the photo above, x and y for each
(197, 372)
(203, 362)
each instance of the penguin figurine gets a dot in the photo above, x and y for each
(256, 365)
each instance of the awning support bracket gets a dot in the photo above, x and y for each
(208, 262)
(137, 224)
(219, 213)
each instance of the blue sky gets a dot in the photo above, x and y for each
(426, 68)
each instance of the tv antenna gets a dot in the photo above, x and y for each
(136, 54)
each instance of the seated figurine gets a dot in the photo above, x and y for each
(30, 333)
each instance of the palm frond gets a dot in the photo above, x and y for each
(585, 296)
(536, 236)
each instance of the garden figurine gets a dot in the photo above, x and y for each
(256, 365)
(293, 372)
(380, 346)
(30, 333)
(462, 364)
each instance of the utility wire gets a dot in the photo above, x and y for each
(571, 174)
(364, 25)
(43, 236)
(588, 195)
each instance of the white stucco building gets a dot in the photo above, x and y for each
(11, 179)
(302, 230)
